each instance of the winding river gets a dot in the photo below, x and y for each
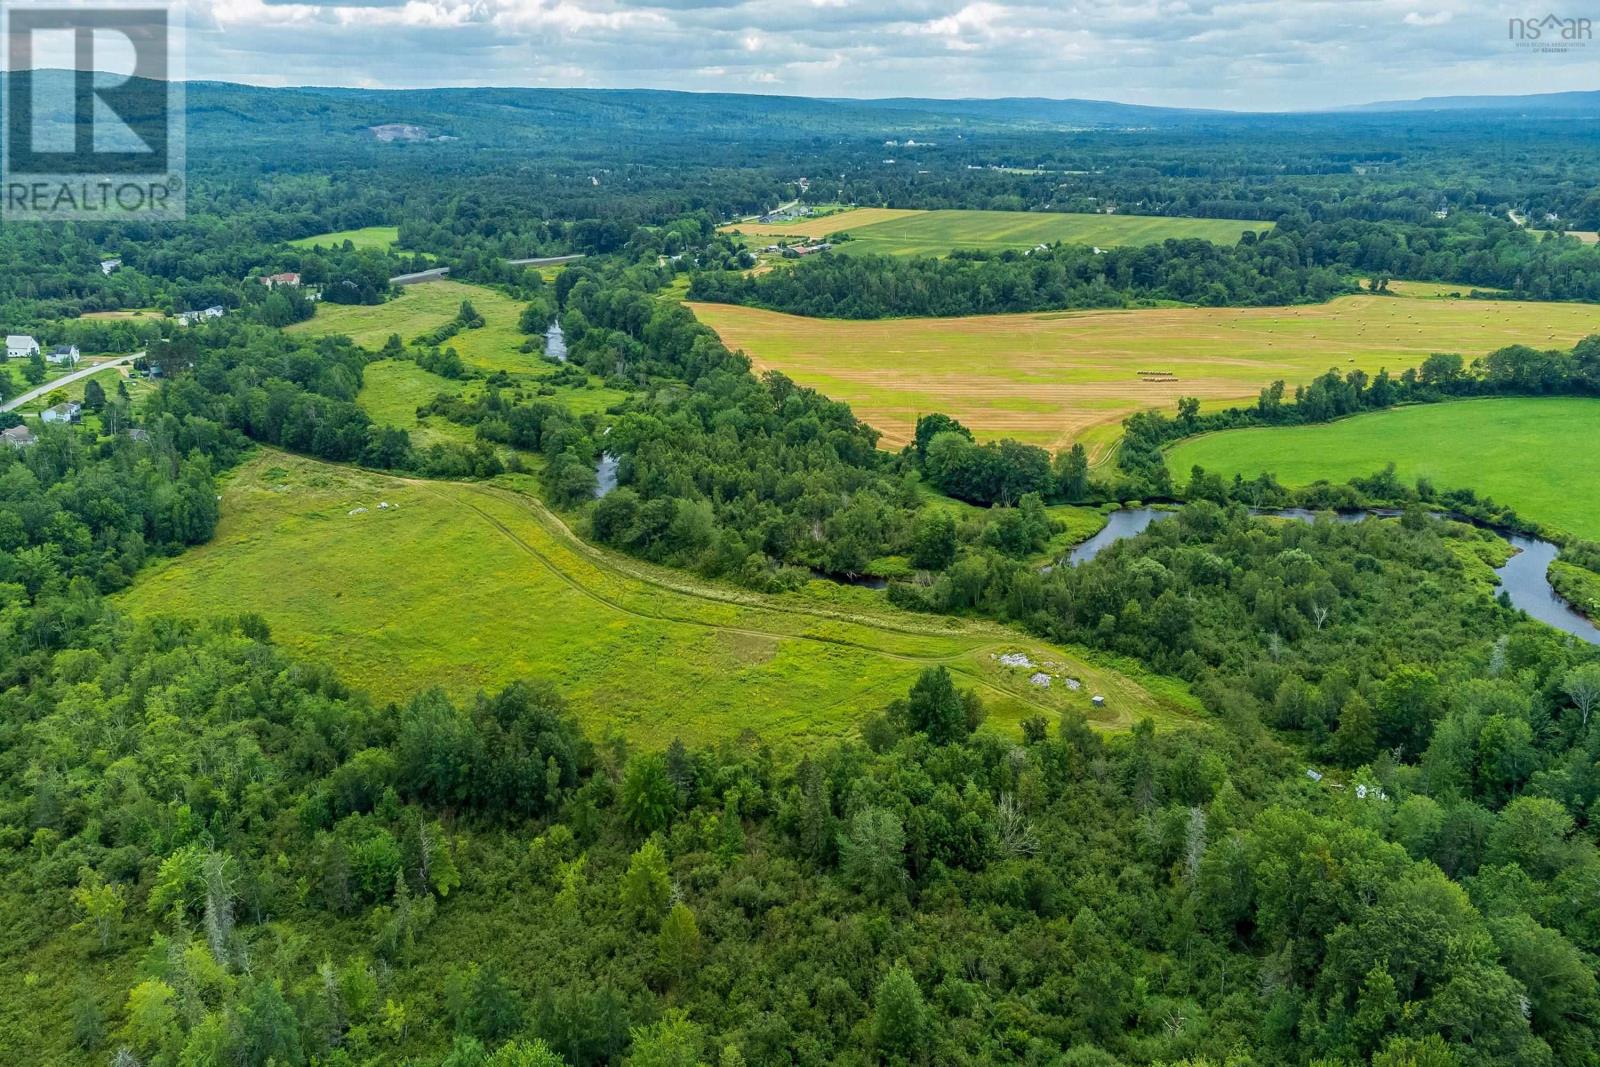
(1522, 578)
(555, 342)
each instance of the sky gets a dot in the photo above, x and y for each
(1242, 54)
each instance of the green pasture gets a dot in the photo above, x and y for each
(470, 586)
(1539, 455)
(379, 237)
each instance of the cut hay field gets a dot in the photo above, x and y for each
(1539, 455)
(888, 231)
(379, 237)
(472, 586)
(1054, 377)
(852, 219)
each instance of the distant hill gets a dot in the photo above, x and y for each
(1576, 103)
(227, 120)
(1045, 111)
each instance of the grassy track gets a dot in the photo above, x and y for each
(471, 586)
(380, 237)
(1053, 377)
(1541, 456)
(888, 231)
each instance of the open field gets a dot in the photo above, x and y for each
(1541, 456)
(420, 309)
(887, 231)
(1054, 377)
(391, 390)
(380, 237)
(1588, 237)
(1436, 290)
(472, 586)
(111, 316)
(852, 219)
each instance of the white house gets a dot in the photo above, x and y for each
(65, 355)
(20, 346)
(189, 318)
(69, 411)
(110, 266)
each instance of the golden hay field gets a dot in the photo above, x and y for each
(1055, 377)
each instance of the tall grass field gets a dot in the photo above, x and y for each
(471, 586)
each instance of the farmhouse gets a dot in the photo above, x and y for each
(67, 411)
(109, 267)
(288, 278)
(64, 355)
(20, 346)
(189, 318)
(17, 437)
(796, 251)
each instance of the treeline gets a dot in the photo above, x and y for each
(1299, 261)
(1268, 270)
(294, 392)
(719, 471)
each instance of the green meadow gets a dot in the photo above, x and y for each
(1541, 456)
(392, 389)
(470, 586)
(887, 231)
(379, 237)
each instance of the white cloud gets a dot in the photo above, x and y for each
(1252, 54)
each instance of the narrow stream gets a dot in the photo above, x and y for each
(1523, 576)
(605, 475)
(555, 342)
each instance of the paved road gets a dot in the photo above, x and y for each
(543, 261)
(44, 390)
(774, 211)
